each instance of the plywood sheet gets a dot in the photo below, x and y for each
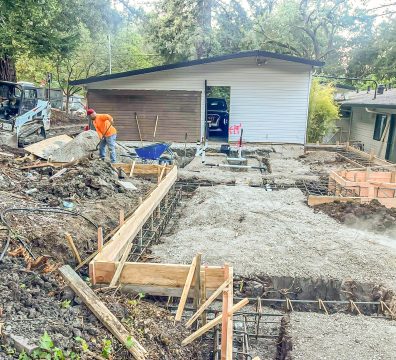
(44, 149)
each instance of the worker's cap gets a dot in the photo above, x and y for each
(90, 111)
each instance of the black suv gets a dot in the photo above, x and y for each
(217, 114)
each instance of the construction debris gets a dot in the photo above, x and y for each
(107, 221)
(102, 313)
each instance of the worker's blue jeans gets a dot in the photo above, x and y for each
(110, 141)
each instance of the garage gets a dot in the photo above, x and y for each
(265, 97)
(179, 112)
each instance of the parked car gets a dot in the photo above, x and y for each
(218, 116)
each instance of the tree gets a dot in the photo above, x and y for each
(181, 29)
(45, 27)
(131, 51)
(88, 59)
(323, 111)
(233, 25)
(305, 28)
(375, 55)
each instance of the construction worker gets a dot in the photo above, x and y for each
(107, 133)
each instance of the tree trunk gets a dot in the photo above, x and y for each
(67, 102)
(7, 69)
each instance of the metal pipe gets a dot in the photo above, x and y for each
(351, 78)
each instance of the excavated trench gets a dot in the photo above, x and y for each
(305, 293)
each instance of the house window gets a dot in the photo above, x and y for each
(380, 123)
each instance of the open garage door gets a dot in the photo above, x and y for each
(179, 112)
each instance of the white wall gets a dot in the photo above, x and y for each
(362, 129)
(270, 101)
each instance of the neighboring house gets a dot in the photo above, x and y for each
(76, 102)
(269, 97)
(372, 122)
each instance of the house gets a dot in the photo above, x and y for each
(268, 97)
(371, 120)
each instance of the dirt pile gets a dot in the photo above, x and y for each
(82, 145)
(90, 188)
(32, 303)
(372, 217)
(88, 179)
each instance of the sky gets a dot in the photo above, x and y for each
(376, 7)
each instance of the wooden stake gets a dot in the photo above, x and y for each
(186, 289)
(197, 285)
(100, 238)
(155, 127)
(161, 174)
(132, 168)
(230, 327)
(211, 324)
(73, 247)
(100, 310)
(203, 295)
(122, 217)
(206, 304)
(224, 322)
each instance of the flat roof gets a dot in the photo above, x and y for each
(199, 62)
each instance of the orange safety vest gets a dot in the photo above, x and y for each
(103, 125)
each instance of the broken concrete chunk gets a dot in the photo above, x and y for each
(22, 344)
(127, 185)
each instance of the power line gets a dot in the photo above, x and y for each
(380, 7)
(384, 14)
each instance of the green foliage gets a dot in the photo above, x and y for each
(223, 92)
(137, 299)
(129, 342)
(107, 348)
(323, 111)
(48, 351)
(46, 342)
(65, 304)
(181, 29)
(84, 345)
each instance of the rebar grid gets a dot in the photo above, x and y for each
(155, 225)
(248, 326)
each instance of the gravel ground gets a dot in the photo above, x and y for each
(286, 167)
(197, 171)
(276, 234)
(342, 337)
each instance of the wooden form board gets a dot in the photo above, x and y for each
(378, 184)
(156, 277)
(142, 169)
(113, 249)
(376, 160)
(44, 149)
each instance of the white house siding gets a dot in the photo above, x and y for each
(362, 129)
(270, 101)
